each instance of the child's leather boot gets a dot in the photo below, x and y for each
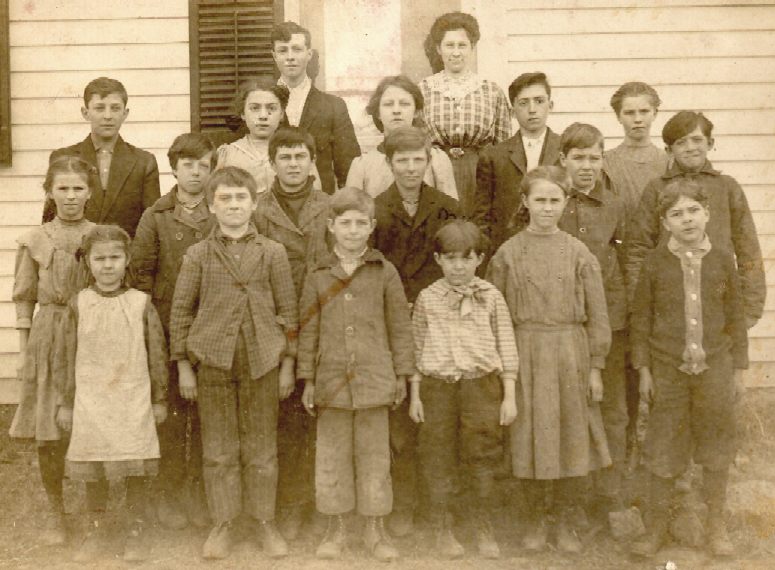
(567, 538)
(447, 546)
(657, 521)
(91, 546)
(219, 541)
(55, 533)
(377, 540)
(485, 536)
(273, 542)
(136, 547)
(333, 541)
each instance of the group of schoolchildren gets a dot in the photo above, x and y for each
(249, 343)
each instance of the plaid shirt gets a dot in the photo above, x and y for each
(478, 117)
(457, 335)
(219, 297)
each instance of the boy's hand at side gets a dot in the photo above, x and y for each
(65, 418)
(400, 391)
(595, 385)
(287, 377)
(159, 413)
(186, 380)
(509, 404)
(416, 410)
(739, 385)
(308, 398)
(646, 387)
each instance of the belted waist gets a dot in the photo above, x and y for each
(458, 151)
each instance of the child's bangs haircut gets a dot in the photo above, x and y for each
(402, 82)
(407, 138)
(526, 80)
(683, 123)
(460, 236)
(634, 89)
(351, 198)
(263, 83)
(102, 233)
(554, 174)
(102, 87)
(288, 136)
(581, 135)
(681, 188)
(230, 176)
(70, 164)
(191, 145)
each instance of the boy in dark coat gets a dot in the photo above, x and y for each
(166, 230)
(690, 347)
(128, 177)
(408, 213)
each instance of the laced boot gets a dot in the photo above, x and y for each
(657, 520)
(567, 538)
(334, 539)
(219, 542)
(485, 537)
(136, 547)
(92, 545)
(715, 491)
(377, 540)
(447, 546)
(54, 532)
(273, 542)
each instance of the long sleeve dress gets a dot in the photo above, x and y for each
(47, 274)
(554, 289)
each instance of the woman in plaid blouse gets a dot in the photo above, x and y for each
(463, 112)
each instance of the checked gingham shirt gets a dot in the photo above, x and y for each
(473, 114)
(463, 335)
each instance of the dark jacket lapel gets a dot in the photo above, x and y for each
(310, 110)
(550, 154)
(517, 153)
(121, 164)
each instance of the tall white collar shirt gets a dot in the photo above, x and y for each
(533, 149)
(296, 100)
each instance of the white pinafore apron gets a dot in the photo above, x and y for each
(112, 416)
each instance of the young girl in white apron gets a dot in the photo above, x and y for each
(114, 381)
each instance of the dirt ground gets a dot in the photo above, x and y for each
(751, 523)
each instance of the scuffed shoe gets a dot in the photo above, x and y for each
(567, 539)
(536, 536)
(377, 540)
(136, 547)
(485, 540)
(92, 545)
(273, 542)
(219, 542)
(447, 546)
(333, 541)
(54, 533)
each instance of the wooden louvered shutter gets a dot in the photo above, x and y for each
(229, 42)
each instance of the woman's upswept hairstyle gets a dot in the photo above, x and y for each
(442, 25)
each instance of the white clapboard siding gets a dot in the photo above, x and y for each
(708, 55)
(56, 49)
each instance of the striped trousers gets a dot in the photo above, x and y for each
(238, 416)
